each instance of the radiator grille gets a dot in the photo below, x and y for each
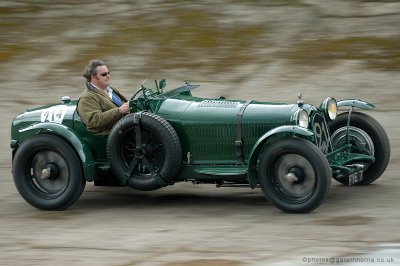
(322, 135)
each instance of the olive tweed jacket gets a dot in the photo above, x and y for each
(97, 111)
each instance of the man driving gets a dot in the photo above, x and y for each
(100, 106)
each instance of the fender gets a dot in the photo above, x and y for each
(356, 103)
(279, 132)
(81, 148)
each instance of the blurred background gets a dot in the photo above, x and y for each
(261, 49)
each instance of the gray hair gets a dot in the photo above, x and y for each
(91, 68)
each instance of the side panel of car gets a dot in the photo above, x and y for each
(80, 146)
(260, 120)
(58, 120)
(208, 128)
(97, 143)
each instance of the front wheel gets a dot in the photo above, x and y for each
(294, 175)
(366, 134)
(48, 173)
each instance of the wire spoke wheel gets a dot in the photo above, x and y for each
(358, 138)
(366, 136)
(143, 161)
(144, 151)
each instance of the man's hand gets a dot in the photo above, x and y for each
(124, 109)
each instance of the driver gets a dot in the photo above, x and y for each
(100, 106)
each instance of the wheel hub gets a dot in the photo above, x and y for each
(295, 175)
(358, 138)
(50, 171)
(291, 178)
(139, 152)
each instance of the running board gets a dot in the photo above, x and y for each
(221, 170)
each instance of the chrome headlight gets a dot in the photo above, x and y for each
(329, 107)
(302, 118)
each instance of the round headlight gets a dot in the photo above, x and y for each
(329, 107)
(302, 118)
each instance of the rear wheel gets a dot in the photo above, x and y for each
(48, 173)
(367, 135)
(294, 175)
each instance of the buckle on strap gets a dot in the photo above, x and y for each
(239, 151)
(238, 143)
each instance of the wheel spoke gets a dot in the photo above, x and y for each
(149, 166)
(132, 166)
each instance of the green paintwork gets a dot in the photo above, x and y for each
(34, 122)
(206, 128)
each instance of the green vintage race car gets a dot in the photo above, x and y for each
(291, 151)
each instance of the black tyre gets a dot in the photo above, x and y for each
(294, 175)
(48, 173)
(365, 133)
(144, 151)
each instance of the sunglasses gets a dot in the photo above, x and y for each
(105, 74)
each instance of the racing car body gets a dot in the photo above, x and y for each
(290, 150)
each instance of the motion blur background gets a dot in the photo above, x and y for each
(262, 49)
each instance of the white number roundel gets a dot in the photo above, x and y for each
(54, 114)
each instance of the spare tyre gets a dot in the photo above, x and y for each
(144, 151)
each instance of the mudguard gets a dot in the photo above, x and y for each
(356, 103)
(279, 132)
(82, 149)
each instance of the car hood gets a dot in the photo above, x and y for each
(198, 110)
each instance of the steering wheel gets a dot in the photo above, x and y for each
(144, 91)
